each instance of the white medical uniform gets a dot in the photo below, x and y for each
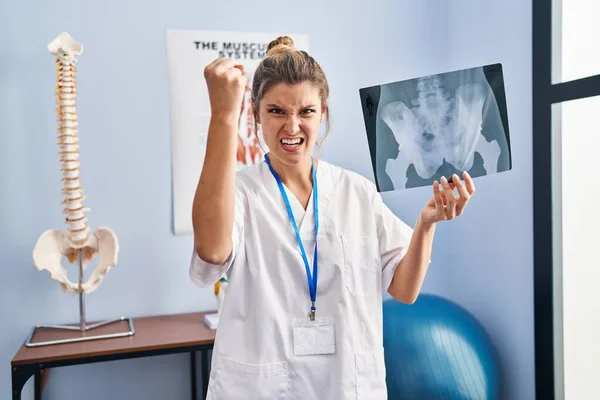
(360, 243)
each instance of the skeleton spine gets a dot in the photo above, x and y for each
(68, 140)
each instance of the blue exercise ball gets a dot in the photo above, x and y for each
(435, 349)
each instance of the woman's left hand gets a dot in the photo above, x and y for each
(444, 204)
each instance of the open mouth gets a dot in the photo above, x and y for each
(292, 144)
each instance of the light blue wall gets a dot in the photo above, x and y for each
(123, 106)
(494, 276)
(492, 271)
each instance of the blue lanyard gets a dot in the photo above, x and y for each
(311, 278)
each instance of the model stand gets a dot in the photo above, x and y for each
(83, 324)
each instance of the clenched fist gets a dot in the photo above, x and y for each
(226, 83)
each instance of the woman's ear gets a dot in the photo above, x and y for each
(324, 112)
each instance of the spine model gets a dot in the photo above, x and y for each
(68, 140)
(77, 243)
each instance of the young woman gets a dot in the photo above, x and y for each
(302, 318)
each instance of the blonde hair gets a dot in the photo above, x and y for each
(284, 63)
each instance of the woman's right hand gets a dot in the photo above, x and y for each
(226, 83)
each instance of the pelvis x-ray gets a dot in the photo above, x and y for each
(424, 128)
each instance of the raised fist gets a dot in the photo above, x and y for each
(226, 82)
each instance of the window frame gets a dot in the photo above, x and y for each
(546, 14)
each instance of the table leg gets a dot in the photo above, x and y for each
(37, 384)
(194, 375)
(205, 372)
(20, 375)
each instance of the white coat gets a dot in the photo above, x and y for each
(360, 243)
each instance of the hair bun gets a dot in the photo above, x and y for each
(280, 45)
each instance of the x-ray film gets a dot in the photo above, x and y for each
(424, 128)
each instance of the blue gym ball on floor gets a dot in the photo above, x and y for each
(435, 349)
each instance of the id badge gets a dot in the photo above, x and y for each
(313, 337)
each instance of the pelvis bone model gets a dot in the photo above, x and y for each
(77, 243)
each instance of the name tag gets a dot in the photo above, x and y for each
(314, 337)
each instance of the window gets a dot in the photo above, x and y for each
(577, 262)
(575, 36)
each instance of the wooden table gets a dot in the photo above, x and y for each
(154, 336)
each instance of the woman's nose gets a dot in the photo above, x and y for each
(292, 125)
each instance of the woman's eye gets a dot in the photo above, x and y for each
(278, 111)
